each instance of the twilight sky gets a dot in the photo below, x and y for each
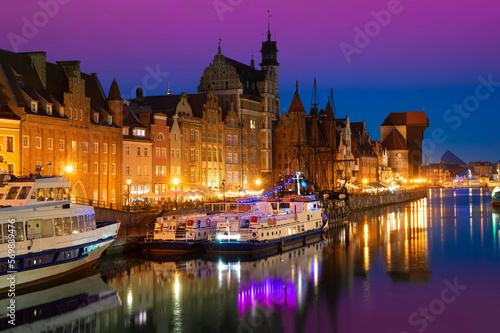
(377, 55)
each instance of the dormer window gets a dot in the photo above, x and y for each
(110, 120)
(125, 131)
(96, 117)
(34, 107)
(49, 109)
(61, 111)
(139, 132)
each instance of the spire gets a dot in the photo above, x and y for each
(268, 26)
(220, 40)
(333, 101)
(296, 86)
(315, 96)
(169, 92)
(114, 92)
(252, 62)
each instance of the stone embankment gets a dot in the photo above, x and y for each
(372, 201)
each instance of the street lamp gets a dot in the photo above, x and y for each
(176, 182)
(258, 182)
(69, 168)
(129, 181)
(224, 187)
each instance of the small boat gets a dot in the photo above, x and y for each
(176, 234)
(495, 196)
(43, 235)
(270, 227)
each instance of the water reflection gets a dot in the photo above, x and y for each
(376, 270)
(69, 304)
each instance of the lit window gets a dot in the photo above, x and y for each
(49, 109)
(34, 107)
(73, 145)
(26, 141)
(38, 142)
(110, 120)
(105, 148)
(85, 147)
(50, 143)
(113, 149)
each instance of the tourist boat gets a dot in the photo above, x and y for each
(495, 196)
(44, 235)
(177, 234)
(64, 305)
(268, 226)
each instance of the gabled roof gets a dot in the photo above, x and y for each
(7, 113)
(248, 74)
(408, 118)
(450, 158)
(395, 141)
(167, 104)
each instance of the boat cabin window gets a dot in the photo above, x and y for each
(81, 222)
(40, 196)
(58, 226)
(67, 226)
(18, 232)
(74, 223)
(50, 194)
(23, 194)
(66, 193)
(59, 193)
(12, 193)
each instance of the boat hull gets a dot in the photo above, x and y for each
(264, 248)
(171, 247)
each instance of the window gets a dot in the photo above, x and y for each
(10, 169)
(10, 144)
(214, 120)
(235, 158)
(192, 154)
(172, 153)
(209, 137)
(203, 135)
(228, 140)
(96, 195)
(220, 155)
(81, 114)
(244, 177)
(244, 157)
(235, 140)
(113, 149)
(253, 158)
(232, 123)
(96, 117)
(185, 134)
(50, 144)
(76, 114)
(96, 168)
(252, 140)
(113, 169)
(229, 158)
(70, 113)
(161, 137)
(138, 151)
(197, 155)
(26, 141)
(203, 158)
(105, 148)
(61, 112)
(209, 120)
(229, 177)
(127, 170)
(157, 152)
(38, 142)
(127, 150)
(185, 155)
(34, 107)
(105, 168)
(125, 131)
(163, 171)
(220, 137)
(209, 155)
(110, 119)
(175, 137)
(96, 147)
(192, 135)
(244, 140)
(49, 109)
(85, 168)
(197, 137)
(252, 124)
(235, 177)
(215, 156)
(85, 147)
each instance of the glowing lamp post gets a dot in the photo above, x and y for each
(176, 182)
(129, 181)
(69, 169)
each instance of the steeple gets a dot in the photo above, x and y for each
(220, 40)
(252, 62)
(269, 50)
(169, 92)
(114, 92)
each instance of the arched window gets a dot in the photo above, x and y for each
(161, 136)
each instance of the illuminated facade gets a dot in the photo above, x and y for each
(68, 126)
(10, 144)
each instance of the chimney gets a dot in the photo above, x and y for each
(72, 68)
(39, 62)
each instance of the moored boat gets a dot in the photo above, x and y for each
(179, 234)
(44, 235)
(495, 196)
(269, 227)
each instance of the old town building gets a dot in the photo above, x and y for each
(68, 126)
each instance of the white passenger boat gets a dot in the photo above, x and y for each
(269, 226)
(495, 196)
(175, 234)
(44, 235)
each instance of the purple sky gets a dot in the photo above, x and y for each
(427, 53)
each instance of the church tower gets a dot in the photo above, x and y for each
(270, 65)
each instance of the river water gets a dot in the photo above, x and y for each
(431, 265)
